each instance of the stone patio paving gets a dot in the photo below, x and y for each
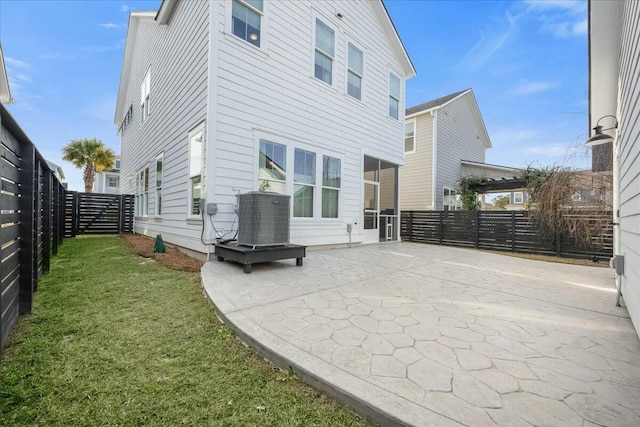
(430, 335)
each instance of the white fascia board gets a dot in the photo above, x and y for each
(166, 10)
(5, 92)
(132, 28)
(437, 107)
(489, 166)
(392, 34)
(605, 23)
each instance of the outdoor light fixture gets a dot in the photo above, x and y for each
(599, 137)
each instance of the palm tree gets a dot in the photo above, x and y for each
(90, 154)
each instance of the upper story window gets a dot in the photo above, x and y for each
(394, 96)
(410, 137)
(117, 165)
(126, 120)
(145, 97)
(324, 52)
(246, 17)
(355, 72)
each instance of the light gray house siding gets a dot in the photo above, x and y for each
(176, 56)
(459, 137)
(629, 157)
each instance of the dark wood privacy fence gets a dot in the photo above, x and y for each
(502, 230)
(32, 225)
(95, 213)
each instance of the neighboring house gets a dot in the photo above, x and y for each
(57, 170)
(501, 177)
(5, 92)
(108, 181)
(302, 98)
(614, 90)
(440, 135)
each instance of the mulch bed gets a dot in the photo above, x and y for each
(172, 258)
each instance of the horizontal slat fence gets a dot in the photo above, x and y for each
(511, 231)
(31, 226)
(97, 213)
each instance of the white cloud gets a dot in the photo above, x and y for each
(528, 88)
(16, 63)
(548, 150)
(491, 42)
(124, 8)
(561, 18)
(580, 28)
(55, 55)
(574, 6)
(109, 25)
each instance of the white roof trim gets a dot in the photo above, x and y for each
(398, 47)
(5, 92)
(437, 107)
(132, 29)
(165, 11)
(489, 166)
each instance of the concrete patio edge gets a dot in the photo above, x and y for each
(379, 405)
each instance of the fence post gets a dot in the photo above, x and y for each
(441, 227)
(47, 214)
(410, 226)
(477, 241)
(76, 213)
(558, 244)
(122, 215)
(27, 214)
(513, 231)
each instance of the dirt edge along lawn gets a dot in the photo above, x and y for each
(118, 339)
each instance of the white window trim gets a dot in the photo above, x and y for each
(291, 144)
(228, 31)
(347, 69)
(158, 157)
(515, 202)
(415, 135)
(330, 24)
(400, 118)
(190, 135)
(142, 208)
(451, 190)
(145, 97)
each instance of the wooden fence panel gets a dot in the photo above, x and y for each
(511, 231)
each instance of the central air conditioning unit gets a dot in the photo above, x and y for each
(263, 219)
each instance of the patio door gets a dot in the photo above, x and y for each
(371, 219)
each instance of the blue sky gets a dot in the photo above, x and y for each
(526, 62)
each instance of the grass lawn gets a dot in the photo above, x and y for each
(117, 340)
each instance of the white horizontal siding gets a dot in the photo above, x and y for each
(458, 138)
(272, 91)
(629, 146)
(417, 173)
(177, 55)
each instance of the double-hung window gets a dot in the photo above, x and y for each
(304, 181)
(273, 166)
(159, 164)
(142, 192)
(355, 72)
(113, 181)
(410, 137)
(331, 174)
(195, 171)
(145, 97)
(246, 20)
(394, 96)
(324, 52)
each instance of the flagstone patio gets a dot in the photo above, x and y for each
(430, 335)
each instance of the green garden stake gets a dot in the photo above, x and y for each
(159, 246)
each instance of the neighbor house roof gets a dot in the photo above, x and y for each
(5, 93)
(438, 103)
(434, 103)
(56, 168)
